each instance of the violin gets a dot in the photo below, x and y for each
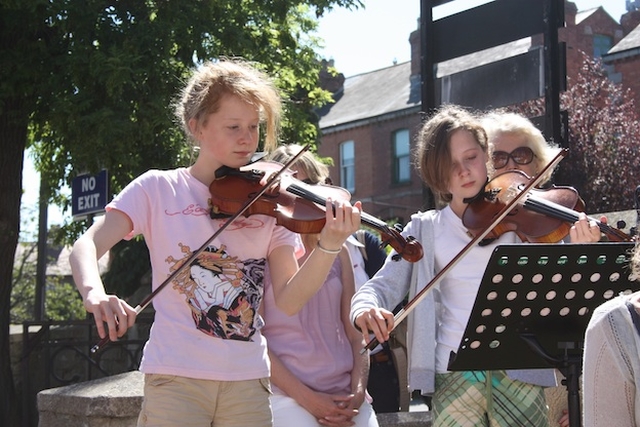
(544, 215)
(297, 206)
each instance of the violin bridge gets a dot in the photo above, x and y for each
(512, 192)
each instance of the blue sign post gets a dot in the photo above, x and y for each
(89, 194)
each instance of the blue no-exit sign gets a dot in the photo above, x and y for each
(89, 194)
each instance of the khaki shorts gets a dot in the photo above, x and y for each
(178, 401)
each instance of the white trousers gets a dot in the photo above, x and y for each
(287, 413)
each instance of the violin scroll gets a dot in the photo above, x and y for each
(409, 249)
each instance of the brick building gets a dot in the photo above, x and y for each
(624, 58)
(369, 130)
(591, 31)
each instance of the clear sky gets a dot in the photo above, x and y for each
(368, 39)
(358, 41)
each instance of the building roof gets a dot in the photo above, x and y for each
(57, 258)
(392, 90)
(628, 44)
(369, 95)
(584, 14)
(484, 57)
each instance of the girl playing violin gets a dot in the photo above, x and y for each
(452, 155)
(207, 363)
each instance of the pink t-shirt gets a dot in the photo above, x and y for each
(206, 324)
(312, 344)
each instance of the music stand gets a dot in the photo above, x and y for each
(533, 307)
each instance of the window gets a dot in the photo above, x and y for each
(601, 45)
(401, 156)
(348, 166)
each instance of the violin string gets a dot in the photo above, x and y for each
(409, 248)
(551, 209)
(300, 191)
(562, 212)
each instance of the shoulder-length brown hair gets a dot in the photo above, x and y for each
(432, 157)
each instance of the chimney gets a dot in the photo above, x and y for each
(630, 20)
(414, 41)
(570, 12)
(328, 80)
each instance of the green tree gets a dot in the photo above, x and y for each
(604, 133)
(63, 301)
(88, 83)
(23, 288)
(604, 139)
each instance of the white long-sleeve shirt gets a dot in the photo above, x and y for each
(611, 371)
(397, 278)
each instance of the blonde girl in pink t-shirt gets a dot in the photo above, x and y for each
(206, 361)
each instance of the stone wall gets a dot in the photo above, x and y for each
(115, 402)
(107, 402)
(57, 354)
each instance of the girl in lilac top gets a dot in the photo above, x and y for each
(318, 375)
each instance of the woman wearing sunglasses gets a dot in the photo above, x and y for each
(519, 145)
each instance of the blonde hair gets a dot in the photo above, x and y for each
(213, 80)
(433, 155)
(499, 122)
(317, 172)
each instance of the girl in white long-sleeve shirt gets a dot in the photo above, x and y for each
(452, 155)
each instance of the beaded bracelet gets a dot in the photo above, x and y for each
(328, 251)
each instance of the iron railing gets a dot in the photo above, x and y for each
(56, 354)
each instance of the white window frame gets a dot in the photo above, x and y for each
(401, 156)
(348, 165)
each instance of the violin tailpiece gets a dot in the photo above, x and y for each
(215, 213)
(492, 194)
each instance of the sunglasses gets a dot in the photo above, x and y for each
(520, 156)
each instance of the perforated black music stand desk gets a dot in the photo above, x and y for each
(533, 307)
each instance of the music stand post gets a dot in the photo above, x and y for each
(533, 306)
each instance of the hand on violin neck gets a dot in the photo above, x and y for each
(342, 220)
(585, 230)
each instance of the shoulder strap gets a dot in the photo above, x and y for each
(635, 317)
(360, 236)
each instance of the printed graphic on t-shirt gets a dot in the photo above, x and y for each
(223, 292)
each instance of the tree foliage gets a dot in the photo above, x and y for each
(122, 63)
(63, 301)
(129, 268)
(89, 84)
(604, 139)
